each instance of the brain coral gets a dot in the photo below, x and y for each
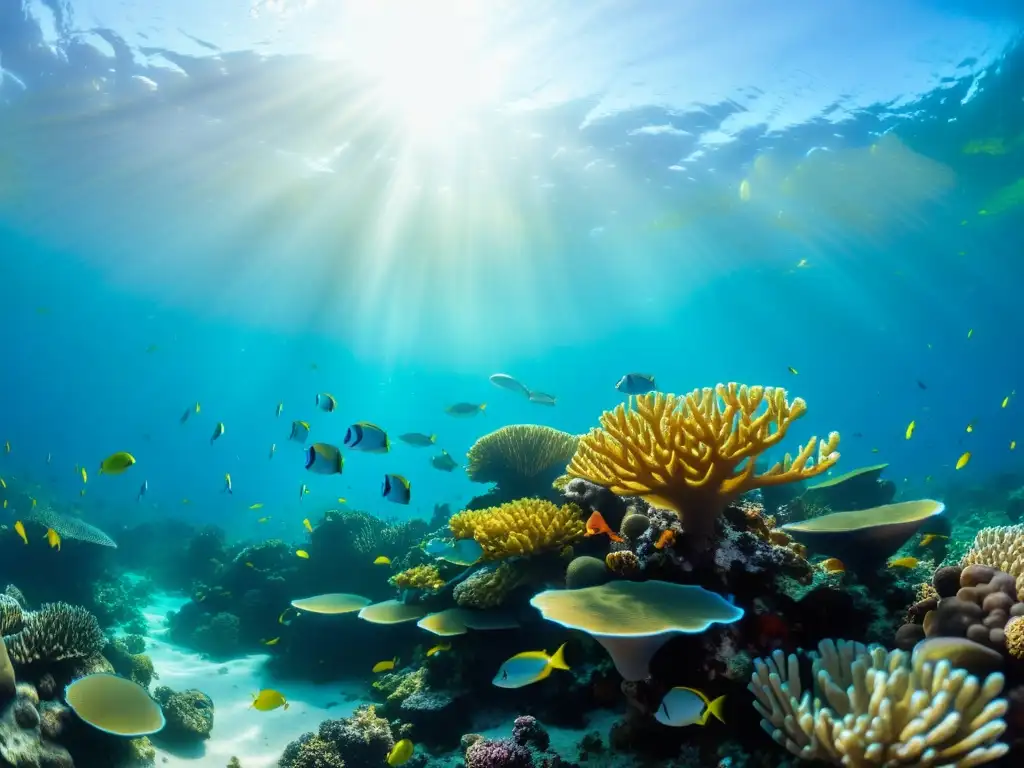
(520, 528)
(522, 459)
(55, 632)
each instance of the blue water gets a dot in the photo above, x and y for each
(201, 205)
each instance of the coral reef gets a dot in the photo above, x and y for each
(137, 667)
(23, 742)
(189, 714)
(1001, 548)
(522, 460)
(520, 528)
(425, 577)
(489, 586)
(55, 632)
(360, 741)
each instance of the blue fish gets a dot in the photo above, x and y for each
(688, 706)
(636, 384)
(529, 667)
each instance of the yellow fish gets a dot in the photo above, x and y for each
(1006, 401)
(268, 699)
(382, 560)
(792, 370)
(962, 461)
(84, 474)
(1013, 446)
(2, 483)
(257, 505)
(302, 553)
(53, 538)
(401, 753)
(116, 463)
(19, 528)
(438, 648)
(306, 524)
(284, 615)
(970, 427)
(910, 429)
(249, 565)
(903, 562)
(275, 641)
(5, 503)
(34, 502)
(384, 666)
(342, 500)
(263, 519)
(928, 538)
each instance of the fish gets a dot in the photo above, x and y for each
(687, 706)
(342, 500)
(666, 539)
(792, 370)
(280, 409)
(82, 492)
(7, 447)
(801, 264)
(443, 461)
(142, 490)
(463, 552)
(928, 538)
(249, 564)
(49, 458)
(116, 463)
(19, 528)
(636, 384)
(970, 427)
(188, 412)
(273, 450)
(436, 547)
(510, 383)
(910, 429)
(302, 553)
(217, 431)
(274, 641)
(596, 524)
(438, 648)
(962, 461)
(326, 402)
(268, 699)
(874, 450)
(263, 519)
(303, 490)
(257, 505)
(418, 439)
(53, 539)
(3, 484)
(382, 560)
(324, 459)
(400, 753)
(904, 562)
(396, 488)
(921, 384)
(529, 667)
(364, 436)
(1006, 401)
(300, 431)
(833, 565)
(385, 666)
(307, 525)
(463, 410)
(970, 333)
(542, 398)
(227, 483)
(1013, 445)
(284, 615)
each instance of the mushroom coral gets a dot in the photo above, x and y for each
(521, 459)
(695, 453)
(520, 528)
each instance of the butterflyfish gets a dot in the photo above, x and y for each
(438, 648)
(326, 402)
(217, 431)
(418, 439)
(227, 483)
(364, 436)
(268, 699)
(910, 429)
(53, 539)
(324, 459)
(466, 409)
(19, 528)
(529, 667)
(385, 666)
(396, 488)
(443, 461)
(903, 562)
(1013, 445)
(116, 463)
(1006, 401)
(302, 553)
(400, 753)
(688, 706)
(307, 525)
(596, 525)
(300, 431)
(636, 384)
(962, 461)
(382, 560)
(970, 427)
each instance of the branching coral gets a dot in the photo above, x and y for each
(522, 459)
(871, 707)
(55, 632)
(695, 453)
(520, 528)
(425, 577)
(488, 587)
(1002, 548)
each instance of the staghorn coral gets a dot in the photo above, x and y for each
(521, 459)
(520, 528)
(55, 632)
(425, 577)
(489, 586)
(871, 707)
(694, 454)
(1001, 547)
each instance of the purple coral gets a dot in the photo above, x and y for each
(528, 732)
(498, 753)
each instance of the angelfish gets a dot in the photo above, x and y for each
(688, 706)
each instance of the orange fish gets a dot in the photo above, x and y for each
(596, 525)
(667, 539)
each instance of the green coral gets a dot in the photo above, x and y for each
(134, 643)
(189, 713)
(311, 751)
(141, 750)
(396, 687)
(425, 577)
(137, 667)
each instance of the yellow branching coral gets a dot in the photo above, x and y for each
(693, 454)
(1001, 547)
(520, 528)
(425, 577)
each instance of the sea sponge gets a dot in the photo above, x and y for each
(425, 577)
(489, 586)
(694, 454)
(1001, 547)
(520, 528)
(871, 707)
(55, 632)
(522, 459)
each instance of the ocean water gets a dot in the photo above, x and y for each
(248, 203)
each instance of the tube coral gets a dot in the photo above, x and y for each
(520, 528)
(694, 454)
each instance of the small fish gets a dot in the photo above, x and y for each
(324, 459)
(1006, 401)
(257, 505)
(970, 427)
(438, 648)
(116, 463)
(307, 525)
(189, 411)
(268, 699)
(666, 539)
(82, 492)
(300, 431)
(53, 538)
(903, 562)
(510, 383)
(529, 667)
(19, 528)
(928, 538)
(396, 488)
(326, 402)
(382, 560)
(970, 333)
(1013, 445)
(462, 410)
(283, 618)
(280, 409)
(910, 429)
(217, 431)
(273, 450)
(302, 553)
(142, 490)
(400, 753)
(688, 706)
(792, 370)
(418, 439)
(186, 501)
(342, 500)
(34, 501)
(263, 519)
(4, 484)
(443, 462)
(227, 483)
(275, 641)
(49, 458)
(596, 524)
(801, 264)
(364, 436)
(541, 398)
(303, 490)
(874, 450)
(385, 666)
(5, 503)
(921, 384)
(833, 565)
(636, 384)
(249, 564)
(962, 461)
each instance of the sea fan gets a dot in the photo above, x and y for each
(71, 527)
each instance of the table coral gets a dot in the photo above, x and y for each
(425, 577)
(694, 454)
(520, 528)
